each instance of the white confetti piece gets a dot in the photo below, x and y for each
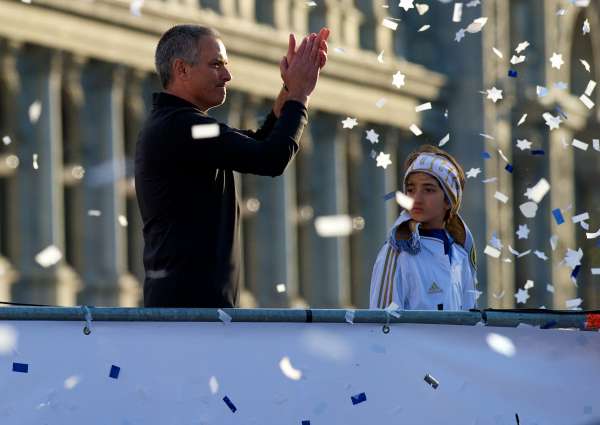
(585, 29)
(494, 94)
(423, 107)
(135, 8)
(550, 288)
(35, 110)
(94, 213)
(350, 316)
(388, 23)
(580, 217)
(380, 57)
(501, 344)
(288, 370)
(123, 220)
(383, 160)
(422, 8)
(522, 46)
(415, 129)
(595, 271)
(529, 284)
(521, 296)
(213, 384)
(596, 143)
(398, 79)
(501, 197)
(477, 25)
(71, 382)
(586, 101)
(224, 317)
(8, 339)
(590, 88)
(492, 252)
(573, 303)
(540, 190)
(393, 310)
(529, 209)
(551, 121)
(490, 180)
(585, 64)
(331, 226)
(553, 242)
(404, 201)
(541, 91)
(580, 145)
(280, 288)
(350, 122)
(424, 28)
(498, 53)
(573, 258)
(541, 255)
(457, 14)
(35, 161)
(6, 140)
(205, 131)
(49, 256)
(444, 140)
(381, 102)
(593, 235)
(515, 60)
(556, 60)
(487, 136)
(502, 155)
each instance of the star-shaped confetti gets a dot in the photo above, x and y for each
(495, 242)
(522, 296)
(398, 79)
(573, 258)
(383, 160)
(523, 232)
(460, 34)
(372, 136)
(494, 94)
(552, 121)
(523, 144)
(556, 60)
(350, 122)
(406, 4)
(473, 172)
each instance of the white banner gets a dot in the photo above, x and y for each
(129, 373)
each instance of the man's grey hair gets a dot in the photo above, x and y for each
(180, 42)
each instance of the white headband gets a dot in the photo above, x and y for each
(443, 170)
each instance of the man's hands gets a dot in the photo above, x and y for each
(300, 68)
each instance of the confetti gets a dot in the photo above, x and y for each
(498, 53)
(590, 88)
(553, 242)
(541, 91)
(556, 60)
(522, 296)
(595, 271)
(541, 255)
(444, 140)
(522, 46)
(529, 209)
(585, 64)
(523, 232)
(8, 339)
(350, 316)
(35, 161)
(593, 235)
(586, 27)
(501, 344)
(383, 160)
(49, 256)
(596, 143)
(494, 94)
(406, 4)
(492, 252)
(490, 180)
(515, 60)
(485, 155)
(523, 144)
(381, 102)
(229, 404)
(94, 213)
(404, 201)
(560, 85)
(424, 28)
(473, 172)
(457, 14)
(477, 25)
(495, 242)
(358, 398)
(224, 317)
(392, 310)
(372, 136)
(537, 192)
(580, 217)
(398, 79)
(522, 120)
(580, 145)
(422, 8)
(558, 216)
(280, 288)
(512, 73)
(6, 140)
(380, 57)
(20, 367)
(288, 370)
(415, 129)
(205, 131)
(423, 107)
(573, 258)
(123, 220)
(460, 34)
(136, 7)
(114, 372)
(388, 23)
(586, 101)
(573, 303)
(213, 384)
(551, 121)
(71, 382)
(350, 122)
(529, 284)
(501, 197)
(328, 226)
(432, 381)
(35, 110)
(502, 155)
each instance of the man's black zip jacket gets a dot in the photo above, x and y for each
(186, 193)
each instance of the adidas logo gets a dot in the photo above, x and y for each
(434, 289)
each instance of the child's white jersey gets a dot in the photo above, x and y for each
(417, 274)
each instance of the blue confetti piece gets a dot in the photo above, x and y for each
(229, 404)
(538, 152)
(21, 367)
(305, 422)
(560, 112)
(114, 372)
(389, 196)
(509, 168)
(558, 216)
(575, 272)
(359, 398)
(485, 155)
(512, 73)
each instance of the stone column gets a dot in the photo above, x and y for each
(104, 247)
(39, 203)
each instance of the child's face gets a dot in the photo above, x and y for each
(430, 204)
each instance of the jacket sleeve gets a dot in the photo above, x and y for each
(242, 151)
(470, 285)
(386, 284)
(265, 129)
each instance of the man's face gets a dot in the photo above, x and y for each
(208, 78)
(430, 204)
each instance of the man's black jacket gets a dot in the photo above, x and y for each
(186, 193)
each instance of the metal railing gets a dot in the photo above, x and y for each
(545, 319)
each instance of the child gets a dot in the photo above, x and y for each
(428, 260)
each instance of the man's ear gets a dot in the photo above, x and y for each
(180, 70)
